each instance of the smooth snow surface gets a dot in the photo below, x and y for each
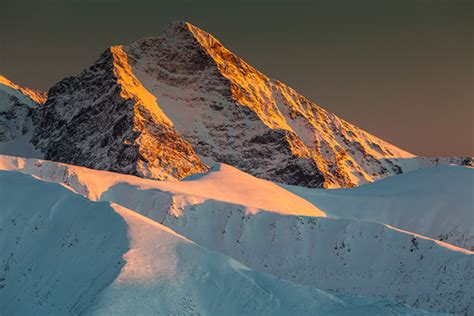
(57, 249)
(343, 256)
(63, 254)
(436, 202)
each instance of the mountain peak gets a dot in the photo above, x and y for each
(182, 31)
(180, 26)
(179, 30)
(112, 122)
(195, 77)
(177, 26)
(170, 106)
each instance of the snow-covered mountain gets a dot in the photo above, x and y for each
(181, 180)
(16, 107)
(105, 119)
(273, 231)
(168, 107)
(63, 254)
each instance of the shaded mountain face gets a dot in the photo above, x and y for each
(16, 107)
(169, 107)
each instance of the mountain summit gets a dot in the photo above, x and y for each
(171, 106)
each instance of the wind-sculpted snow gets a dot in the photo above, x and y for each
(436, 202)
(337, 255)
(63, 254)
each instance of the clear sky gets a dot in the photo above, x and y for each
(402, 70)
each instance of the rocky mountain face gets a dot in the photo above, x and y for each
(105, 119)
(232, 113)
(171, 106)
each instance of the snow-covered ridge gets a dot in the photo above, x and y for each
(223, 184)
(338, 255)
(436, 202)
(63, 254)
(38, 97)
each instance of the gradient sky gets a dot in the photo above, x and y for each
(402, 70)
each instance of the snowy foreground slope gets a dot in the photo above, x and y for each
(344, 256)
(436, 202)
(60, 253)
